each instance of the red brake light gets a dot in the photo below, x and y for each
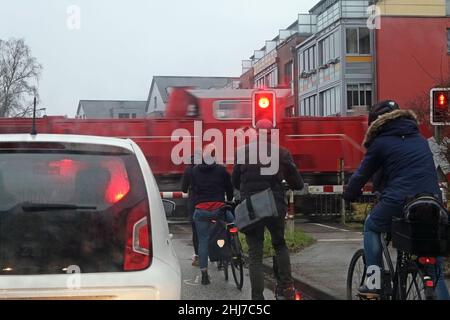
(233, 230)
(427, 260)
(138, 243)
(429, 284)
(298, 296)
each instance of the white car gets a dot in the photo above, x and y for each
(81, 217)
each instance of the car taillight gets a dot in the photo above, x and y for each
(138, 242)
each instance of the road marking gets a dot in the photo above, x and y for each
(195, 283)
(339, 240)
(325, 226)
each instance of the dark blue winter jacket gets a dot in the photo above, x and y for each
(210, 183)
(395, 145)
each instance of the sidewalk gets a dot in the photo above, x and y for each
(323, 266)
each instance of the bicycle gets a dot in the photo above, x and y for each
(416, 272)
(232, 247)
(410, 279)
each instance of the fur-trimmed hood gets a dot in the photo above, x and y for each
(376, 127)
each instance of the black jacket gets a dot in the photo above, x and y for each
(210, 183)
(186, 187)
(248, 179)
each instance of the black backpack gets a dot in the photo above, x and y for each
(427, 209)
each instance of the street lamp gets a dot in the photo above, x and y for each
(41, 109)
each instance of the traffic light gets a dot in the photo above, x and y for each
(264, 107)
(439, 106)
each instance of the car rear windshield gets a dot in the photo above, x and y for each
(65, 205)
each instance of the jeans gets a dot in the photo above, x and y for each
(255, 241)
(373, 253)
(190, 210)
(202, 219)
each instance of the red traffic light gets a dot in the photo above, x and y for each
(440, 106)
(441, 100)
(263, 102)
(263, 107)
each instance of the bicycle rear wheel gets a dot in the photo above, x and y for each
(356, 274)
(413, 285)
(237, 263)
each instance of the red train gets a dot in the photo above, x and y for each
(317, 144)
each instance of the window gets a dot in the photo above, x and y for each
(228, 110)
(358, 40)
(289, 74)
(124, 115)
(330, 102)
(133, 115)
(308, 59)
(321, 51)
(352, 41)
(364, 41)
(308, 107)
(329, 48)
(359, 95)
(98, 177)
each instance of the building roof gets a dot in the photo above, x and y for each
(102, 108)
(322, 6)
(163, 83)
(234, 93)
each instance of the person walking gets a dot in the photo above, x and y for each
(249, 180)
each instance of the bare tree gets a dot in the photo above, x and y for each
(19, 78)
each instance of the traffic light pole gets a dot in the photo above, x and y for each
(438, 134)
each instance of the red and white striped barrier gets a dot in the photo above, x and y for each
(334, 189)
(174, 195)
(326, 189)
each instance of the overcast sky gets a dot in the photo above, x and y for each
(121, 44)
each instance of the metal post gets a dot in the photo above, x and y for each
(33, 128)
(438, 134)
(341, 169)
(291, 213)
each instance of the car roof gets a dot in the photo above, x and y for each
(68, 138)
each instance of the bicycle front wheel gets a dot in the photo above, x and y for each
(356, 274)
(237, 263)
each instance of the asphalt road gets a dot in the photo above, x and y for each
(219, 289)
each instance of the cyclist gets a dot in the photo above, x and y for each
(403, 163)
(210, 182)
